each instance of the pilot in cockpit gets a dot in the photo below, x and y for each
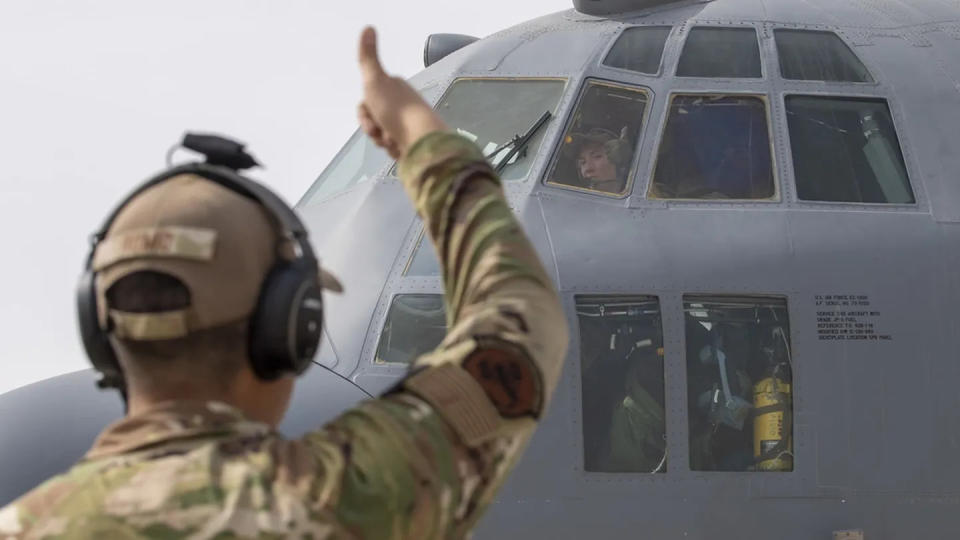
(602, 159)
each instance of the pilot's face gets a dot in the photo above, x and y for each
(595, 165)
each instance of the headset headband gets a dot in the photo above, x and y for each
(288, 221)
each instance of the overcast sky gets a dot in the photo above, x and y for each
(93, 93)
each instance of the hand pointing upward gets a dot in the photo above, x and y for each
(392, 113)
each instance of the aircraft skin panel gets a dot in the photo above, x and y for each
(361, 249)
(558, 51)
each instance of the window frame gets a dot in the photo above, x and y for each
(790, 303)
(637, 148)
(777, 196)
(776, 52)
(661, 68)
(671, 441)
(918, 194)
(764, 73)
(417, 243)
(383, 324)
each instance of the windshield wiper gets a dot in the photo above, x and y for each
(519, 143)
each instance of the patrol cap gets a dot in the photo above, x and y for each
(219, 243)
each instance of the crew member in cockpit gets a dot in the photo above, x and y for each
(602, 159)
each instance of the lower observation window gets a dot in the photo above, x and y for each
(715, 147)
(739, 384)
(621, 359)
(416, 324)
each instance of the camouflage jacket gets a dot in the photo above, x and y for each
(421, 462)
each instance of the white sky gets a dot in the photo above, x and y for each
(93, 93)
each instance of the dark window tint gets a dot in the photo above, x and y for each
(416, 324)
(818, 56)
(715, 147)
(846, 150)
(621, 358)
(739, 384)
(597, 151)
(720, 52)
(639, 49)
(424, 261)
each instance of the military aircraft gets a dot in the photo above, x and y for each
(752, 211)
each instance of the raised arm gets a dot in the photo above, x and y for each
(424, 460)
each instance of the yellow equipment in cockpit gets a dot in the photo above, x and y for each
(772, 430)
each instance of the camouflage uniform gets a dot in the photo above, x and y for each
(421, 462)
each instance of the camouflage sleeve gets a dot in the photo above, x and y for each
(425, 461)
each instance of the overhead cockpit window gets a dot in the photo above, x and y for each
(720, 53)
(356, 163)
(639, 49)
(715, 147)
(818, 56)
(424, 261)
(415, 325)
(621, 359)
(497, 113)
(739, 384)
(846, 150)
(597, 151)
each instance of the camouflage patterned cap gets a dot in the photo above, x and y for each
(217, 242)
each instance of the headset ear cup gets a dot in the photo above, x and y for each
(94, 338)
(286, 327)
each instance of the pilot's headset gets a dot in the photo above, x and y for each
(286, 323)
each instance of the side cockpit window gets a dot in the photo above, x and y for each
(415, 325)
(739, 384)
(423, 261)
(846, 150)
(597, 151)
(621, 359)
(807, 55)
(639, 49)
(715, 147)
(728, 53)
(357, 162)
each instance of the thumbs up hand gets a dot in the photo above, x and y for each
(392, 113)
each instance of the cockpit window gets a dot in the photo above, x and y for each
(415, 325)
(597, 151)
(639, 49)
(621, 362)
(492, 112)
(817, 56)
(356, 163)
(720, 53)
(739, 384)
(715, 147)
(424, 261)
(846, 150)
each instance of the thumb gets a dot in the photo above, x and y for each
(370, 67)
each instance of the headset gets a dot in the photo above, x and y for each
(286, 325)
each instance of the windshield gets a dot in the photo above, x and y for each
(491, 112)
(357, 162)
